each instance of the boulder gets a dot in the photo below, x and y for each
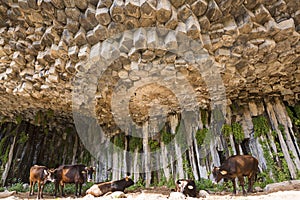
(203, 194)
(176, 196)
(283, 186)
(7, 193)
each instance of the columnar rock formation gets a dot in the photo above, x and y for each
(44, 43)
(253, 46)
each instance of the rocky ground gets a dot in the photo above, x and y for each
(283, 190)
(294, 194)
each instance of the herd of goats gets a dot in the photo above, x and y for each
(235, 166)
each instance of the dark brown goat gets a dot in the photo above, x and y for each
(238, 166)
(77, 174)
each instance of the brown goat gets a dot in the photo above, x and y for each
(38, 174)
(238, 166)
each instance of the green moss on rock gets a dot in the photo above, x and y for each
(238, 132)
(260, 125)
(200, 135)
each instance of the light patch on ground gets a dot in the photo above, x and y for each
(290, 195)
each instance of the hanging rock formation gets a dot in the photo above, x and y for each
(241, 54)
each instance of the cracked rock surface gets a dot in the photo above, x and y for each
(46, 44)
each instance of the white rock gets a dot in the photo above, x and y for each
(285, 185)
(177, 196)
(117, 194)
(11, 198)
(144, 196)
(25, 186)
(7, 195)
(258, 189)
(203, 194)
(88, 196)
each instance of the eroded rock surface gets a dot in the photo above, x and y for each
(44, 45)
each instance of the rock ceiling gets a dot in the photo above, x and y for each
(45, 44)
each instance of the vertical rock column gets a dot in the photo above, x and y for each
(272, 115)
(147, 158)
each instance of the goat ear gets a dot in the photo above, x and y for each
(83, 172)
(223, 172)
(216, 169)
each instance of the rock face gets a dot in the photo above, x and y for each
(147, 60)
(45, 43)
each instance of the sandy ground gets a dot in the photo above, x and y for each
(163, 195)
(289, 195)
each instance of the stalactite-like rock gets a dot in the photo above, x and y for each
(164, 159)
(193, 27)
(147, 158)
(148, 9)
(132, 8)
(177, 3)
(136, 166)
(70, 68)
(199, 7)
(117, 11)
(213, 11)
(80, 38)
(283, 144)
(173, 21)
(103, 16)
(281, 116)
(72, 13)
(164, 11)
